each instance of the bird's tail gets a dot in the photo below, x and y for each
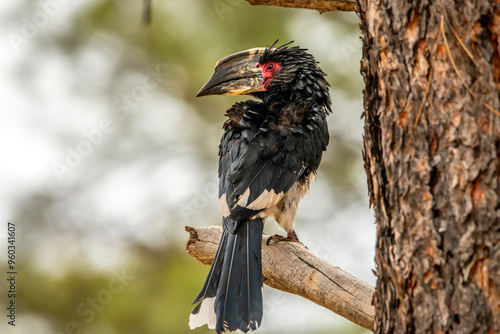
(231, 298)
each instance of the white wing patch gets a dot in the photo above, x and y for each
(265, 200)
(242, 201)
(223, 208)
(205, 316)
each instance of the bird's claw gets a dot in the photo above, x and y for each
(275, 238)
(291, 236)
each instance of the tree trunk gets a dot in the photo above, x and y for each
(432, 148)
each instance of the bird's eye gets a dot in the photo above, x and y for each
(269, 69)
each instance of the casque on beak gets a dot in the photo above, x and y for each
(237, 74)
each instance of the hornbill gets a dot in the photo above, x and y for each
(268, 155)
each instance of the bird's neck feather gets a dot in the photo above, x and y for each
(295, 96)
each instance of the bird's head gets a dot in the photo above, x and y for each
(271, 74)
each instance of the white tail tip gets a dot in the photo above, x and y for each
(206, 315)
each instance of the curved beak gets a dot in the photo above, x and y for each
(236, 74)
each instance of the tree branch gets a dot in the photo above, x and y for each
(290, 267)
(319, 5)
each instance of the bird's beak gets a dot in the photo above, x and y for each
(237, 74)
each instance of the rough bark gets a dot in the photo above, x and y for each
(432, 147)
(290, 267)
(319, 5)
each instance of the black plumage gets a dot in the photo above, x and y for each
(268, 154)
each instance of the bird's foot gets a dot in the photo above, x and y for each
(291, 236)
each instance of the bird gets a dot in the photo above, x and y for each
(268, 155)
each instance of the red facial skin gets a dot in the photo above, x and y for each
(268, 69)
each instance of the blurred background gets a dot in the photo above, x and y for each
(107, 155)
